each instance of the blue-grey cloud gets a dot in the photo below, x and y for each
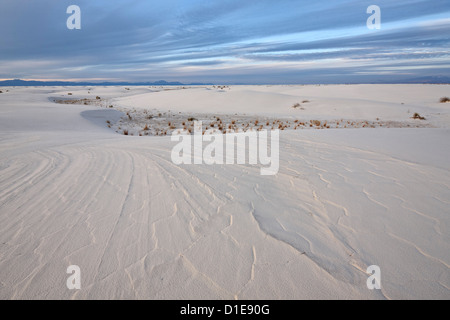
(234, 40)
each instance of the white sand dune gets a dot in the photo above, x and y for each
(74, 192)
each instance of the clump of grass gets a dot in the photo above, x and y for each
(316, 123)
(146, 128)
(418, 116)
(444, 100)
(297, 105)
(97, 98)
(192, 119)
(125, 132)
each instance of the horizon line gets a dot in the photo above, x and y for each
(72, 82)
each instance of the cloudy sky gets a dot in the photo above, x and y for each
(227, 41)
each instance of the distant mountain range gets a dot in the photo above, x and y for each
(32, 83)
(431, 80)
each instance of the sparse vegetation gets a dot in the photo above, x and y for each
(297, 105)
(418, 116)
(97, 98)
(144, 123)
(444, 99)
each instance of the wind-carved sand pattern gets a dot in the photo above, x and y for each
(73, 191)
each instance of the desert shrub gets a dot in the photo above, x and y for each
(305, 101)
(125, 132)
(418, 116)
(444, 99)
(97, 97)
(192, 119)
(297, 105)
(316, 123)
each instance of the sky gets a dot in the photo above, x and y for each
(227, 41)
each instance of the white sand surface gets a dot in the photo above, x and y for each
(75, 192)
